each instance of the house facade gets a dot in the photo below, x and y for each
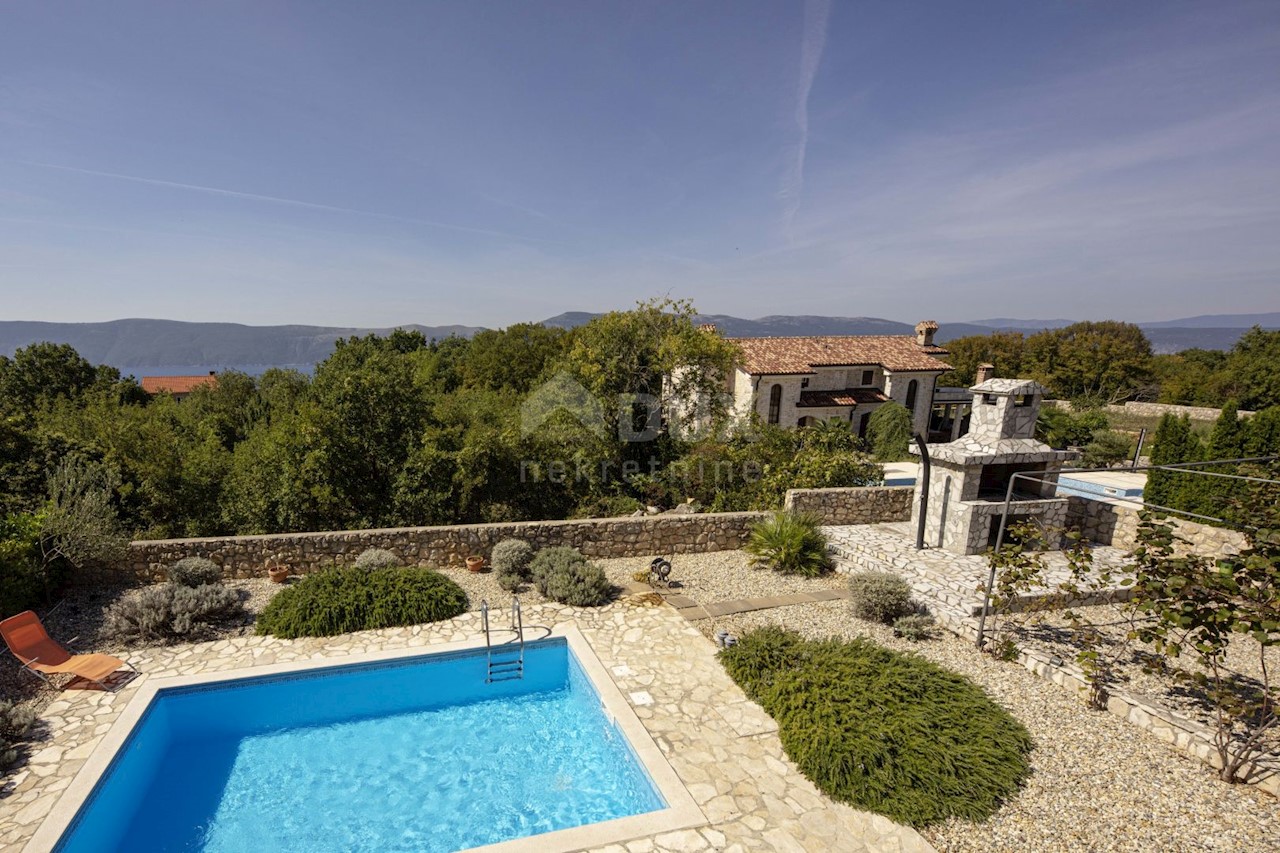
(795, 382)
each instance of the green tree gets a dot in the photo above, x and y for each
(1060, 427)
(889, 432)
(1263, 433)
(43, 372)
(1174, 443)
(1002, 349)
(1106, 361)
(1253, 369)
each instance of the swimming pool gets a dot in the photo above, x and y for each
(408, 753)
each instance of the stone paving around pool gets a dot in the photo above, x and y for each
(722, 746)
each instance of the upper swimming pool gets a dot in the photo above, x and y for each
(414, 754)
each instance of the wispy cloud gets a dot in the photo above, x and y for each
(813, 42)
(292, 202)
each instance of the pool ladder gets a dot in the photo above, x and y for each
(502, 666)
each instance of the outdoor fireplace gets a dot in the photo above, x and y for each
(971, 476)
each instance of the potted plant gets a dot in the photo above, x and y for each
(475, 564)
(278, 574)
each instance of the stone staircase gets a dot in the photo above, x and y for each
(952, 585)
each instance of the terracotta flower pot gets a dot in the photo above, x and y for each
(278, 574)
(475, 564)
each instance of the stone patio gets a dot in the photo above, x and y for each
(950, 584)
(723, 747)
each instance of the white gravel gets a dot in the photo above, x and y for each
(1097, 782)
(720, 576)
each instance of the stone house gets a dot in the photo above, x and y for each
(798, 381)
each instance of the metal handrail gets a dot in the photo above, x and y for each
(517, 622)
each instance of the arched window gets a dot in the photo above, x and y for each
(806, 422)
(775, 404)
(912, 386)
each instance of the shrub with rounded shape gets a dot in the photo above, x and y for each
(377, 558)
(880, 596)
(564, 575)
(886, 732)
(510, 560)
(170, 611)
(195, 571)
(914, 628)
(790, 543)
(345, 599)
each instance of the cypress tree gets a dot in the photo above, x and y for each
(1262, 433)
(1161, 485)
(1210, 495)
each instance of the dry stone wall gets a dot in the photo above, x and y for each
(870, 505)
(1115, 524)
(248, 556)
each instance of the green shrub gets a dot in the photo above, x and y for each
(14, 723)
(607, 506)
(26, 579)
(914, 628)
(345, 599)
(880, 596)
(195, 571)
(790, 543)
(564, 575)
(886, 732)
(377, 558)
(889, 432)
(510, 560)
(170, 611)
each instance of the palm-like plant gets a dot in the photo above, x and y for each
(790, 543)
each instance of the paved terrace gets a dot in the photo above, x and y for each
(724, 748)
(950, 584)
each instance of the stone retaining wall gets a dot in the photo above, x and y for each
(1115, 524)
(870, 505)
(246, 556)
(1196, 413)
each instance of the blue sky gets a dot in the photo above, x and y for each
(485, 163)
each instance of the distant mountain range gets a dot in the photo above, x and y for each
(173, 346)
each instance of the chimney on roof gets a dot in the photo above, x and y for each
(707, 327)
(985, 372)
(925, 330)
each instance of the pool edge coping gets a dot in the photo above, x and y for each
(681, 811)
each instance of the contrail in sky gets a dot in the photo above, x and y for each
(813, 41)
(293, 202)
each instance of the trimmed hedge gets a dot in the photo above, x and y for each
(886, 732)
(346, 599)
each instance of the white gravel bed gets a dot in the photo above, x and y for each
(1051, 633)
(720, 576)
(1097, 782)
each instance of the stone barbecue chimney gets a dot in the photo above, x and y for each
(985, 372)
(925, 330)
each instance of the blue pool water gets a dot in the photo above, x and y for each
(413, 755)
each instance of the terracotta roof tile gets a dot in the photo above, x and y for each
(801, 355)
(844, 397)
(177, 384)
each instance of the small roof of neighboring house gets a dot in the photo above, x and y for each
(177, 384)
(843, 397)
(775, 356)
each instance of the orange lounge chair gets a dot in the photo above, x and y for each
(40, 655)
